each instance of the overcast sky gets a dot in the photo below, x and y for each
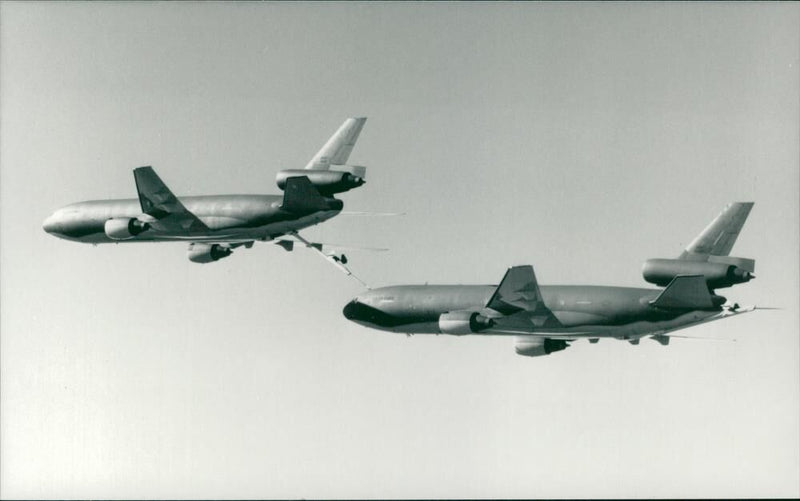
(580, 138)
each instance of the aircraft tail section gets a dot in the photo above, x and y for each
(719, 236)
(300, 196)
(686, 292)
(743, 263)
(337, 150)
(708, 254)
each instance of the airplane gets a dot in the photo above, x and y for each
(545, 319)
(216, 225)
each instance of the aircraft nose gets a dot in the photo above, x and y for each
(350, 310)
(363, 313)
(51, 224)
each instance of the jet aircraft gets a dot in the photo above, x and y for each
(545, 319)
(215, 225)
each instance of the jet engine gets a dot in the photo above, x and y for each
(327, 182)
(463, 322)
(124, 228)
(723, 272)
(208, 253)
(537, 346)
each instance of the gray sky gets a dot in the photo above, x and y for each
(580, 138)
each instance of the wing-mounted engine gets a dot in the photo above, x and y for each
(538, 346)
(124, 228)
(327, 182)
(208, 253)
(719, 271)
(463, 322)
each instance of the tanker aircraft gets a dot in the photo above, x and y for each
(215, 225)
(546, 319)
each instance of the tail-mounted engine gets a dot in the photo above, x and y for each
(463, 322)
(123, 228)
(719, 271)
(537, 346)
(327, 182)
(208, 253)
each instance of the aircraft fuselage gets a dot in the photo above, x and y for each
(245, 217)
(580, 311)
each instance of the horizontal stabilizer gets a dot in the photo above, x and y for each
(685, 292)
(301, 196)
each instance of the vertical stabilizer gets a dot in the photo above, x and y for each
(719, 236)
(337, 150)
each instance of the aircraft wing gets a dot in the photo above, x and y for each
(157, 201)
(518, 291)
(337, 150)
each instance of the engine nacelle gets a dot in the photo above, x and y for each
(537, 346)
(124, 228)
(208, 253)
(717, 274)
(463, 322)
(328, 182)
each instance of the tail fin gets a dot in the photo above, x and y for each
(300, 195)
(337, 150)
(719, 236)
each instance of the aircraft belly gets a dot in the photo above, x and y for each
(284, 227)
(417, 328)
(576, 318)
(681, 322)
(632, 330)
